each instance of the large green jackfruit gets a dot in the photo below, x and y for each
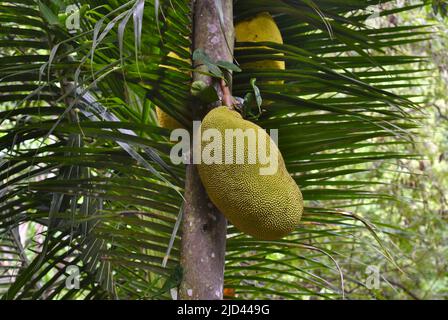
(260, 28)
(264, 206)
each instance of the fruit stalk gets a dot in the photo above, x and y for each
(203, 226)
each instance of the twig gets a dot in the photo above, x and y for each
(406, 290)
(226, 95)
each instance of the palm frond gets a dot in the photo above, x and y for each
(82, 157)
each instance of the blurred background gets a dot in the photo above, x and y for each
(387, 240)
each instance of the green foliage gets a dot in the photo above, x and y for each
(415, 225)
(85, 168)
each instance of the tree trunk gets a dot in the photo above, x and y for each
(204, 227)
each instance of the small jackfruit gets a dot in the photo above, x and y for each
(164, 119)
(266, 206)
(261, 28)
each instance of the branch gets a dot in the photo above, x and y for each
(204, 228)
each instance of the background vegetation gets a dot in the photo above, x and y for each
(87, 182)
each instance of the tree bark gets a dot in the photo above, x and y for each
(204, 227)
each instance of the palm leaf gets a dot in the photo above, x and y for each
(83, 158)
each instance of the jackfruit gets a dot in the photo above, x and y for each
(267, 207)
(167, 121)
(164, 119)
(261, 28)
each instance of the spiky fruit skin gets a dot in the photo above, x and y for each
(261, 28)
(165, 120)
(267, 207)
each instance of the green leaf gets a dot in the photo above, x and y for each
(207, 94)
(200, 56)
(48, 14)
(228, 66)
(257, 93)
